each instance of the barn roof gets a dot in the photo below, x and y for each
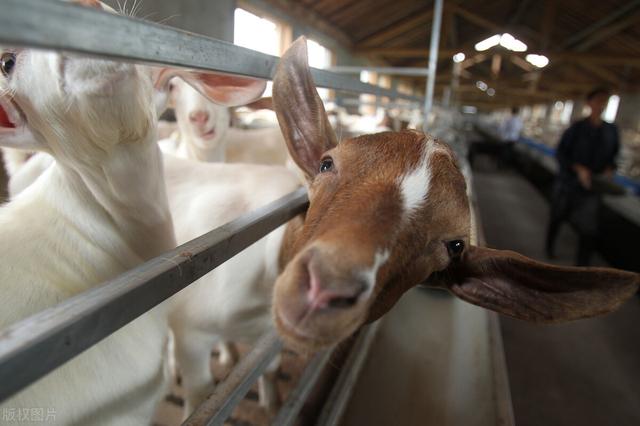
(589, 42)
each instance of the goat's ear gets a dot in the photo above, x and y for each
(222, 89)
(15, 134)
(262, 103)
(514, 285)
(303, 120)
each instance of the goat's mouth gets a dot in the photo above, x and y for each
(209, 134)
(296, 336)
(311, 333)
(10, 116)
(4, 119)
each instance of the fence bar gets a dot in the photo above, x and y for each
(340, 395)
(410, 71)
(433, 61)
(358, 102)
(36, 345)
(298, 396)
(63, 26)
(219, 406)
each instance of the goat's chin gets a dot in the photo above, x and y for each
(303, 345)
(306, 340)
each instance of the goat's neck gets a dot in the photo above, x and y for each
(127, 188)
(216, 154)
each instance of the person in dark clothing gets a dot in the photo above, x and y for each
(587, 148)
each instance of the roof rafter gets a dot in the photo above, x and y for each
(398, 28)
(307, 17)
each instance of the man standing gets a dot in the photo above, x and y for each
(588, 148)
(510, 133)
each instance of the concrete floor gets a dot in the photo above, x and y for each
(584, 373)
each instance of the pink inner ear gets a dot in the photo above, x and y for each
(4, 119)
(218, 80)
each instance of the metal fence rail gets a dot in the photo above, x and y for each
(64, 26)
(36, 345)
(31, 348)
(219, 406)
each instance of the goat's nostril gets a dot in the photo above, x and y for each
(343, 302)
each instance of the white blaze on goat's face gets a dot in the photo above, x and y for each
(414, 186)
(200, 121)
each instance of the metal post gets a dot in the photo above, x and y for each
(433, 60)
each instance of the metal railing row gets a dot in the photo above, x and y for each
(35, 346)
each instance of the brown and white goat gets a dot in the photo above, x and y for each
(389, 211)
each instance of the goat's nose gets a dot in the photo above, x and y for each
(328, 289)
(199, 117)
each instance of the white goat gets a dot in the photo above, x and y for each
(232, 303)
(204, 133)
(107, 213)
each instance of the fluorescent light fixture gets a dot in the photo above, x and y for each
(539, 61)
(458, 57)
(491, 91)
(481, 85)
(488, 43)
(468, 109)
(505, 40)
(510, 42)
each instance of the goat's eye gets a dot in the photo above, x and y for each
(7, 62)
(455, 248)
(326, 165)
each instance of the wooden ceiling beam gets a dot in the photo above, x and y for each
(349, 12)
(452, 27)
(306, 16)
(496, 65)
(523, 7)
(473, 60)
(521, 63)
(603, 74)
(397, 28)
(617, 13)
(548, 21)
(586, 57)
(476, 19)
(608, 32)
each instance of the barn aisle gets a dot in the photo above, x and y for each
(586, 373)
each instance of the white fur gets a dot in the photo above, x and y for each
(242, 281)
(414, 185)
(233, 301)
(100, 210)
(380, 258)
